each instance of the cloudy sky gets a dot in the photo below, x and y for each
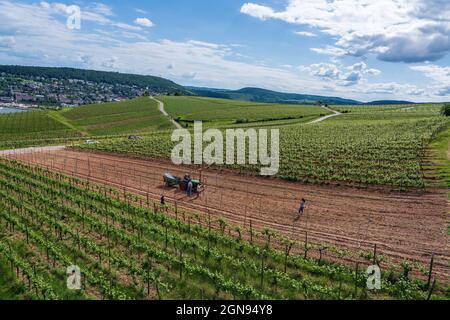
(361, 49)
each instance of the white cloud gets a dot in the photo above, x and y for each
(440, 77)
(340, 75)
(141, 11)
(437, 73)
(383, 88)
(399, 90)
(305, 34)
(102, 9)
(394, 30)
(258, 11)
(144, 22)
(127, 26)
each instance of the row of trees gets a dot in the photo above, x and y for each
(446, 110)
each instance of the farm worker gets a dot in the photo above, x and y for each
(163, 203)
(301, 210)
(185, 182)
(189, 188)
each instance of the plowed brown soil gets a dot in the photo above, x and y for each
(409, 225)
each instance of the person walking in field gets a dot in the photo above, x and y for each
(163, 203)
(302, 209)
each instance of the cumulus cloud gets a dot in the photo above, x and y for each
(440, 77)
(394, 30)
(144, 22)
(383, 88)
(395, 89)
(258, 11)
(342, 76)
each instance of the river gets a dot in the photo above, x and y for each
(10, 110)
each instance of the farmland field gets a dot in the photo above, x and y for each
(30, 128)
(41, 128)
(97, 206)
(366, 148)
(228, 111)
(129, 117)
(130, 248)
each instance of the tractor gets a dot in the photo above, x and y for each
(174, 181)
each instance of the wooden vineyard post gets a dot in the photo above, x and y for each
(287, 252)
(260, 207)
(306, 244)
(89, 168)
(375, 254)
(246, 204)
(356, 279)
(430, 272)
(262, 272)
(430, 292)
(251, 231)
(245, 215)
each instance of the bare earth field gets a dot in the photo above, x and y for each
(403, 225)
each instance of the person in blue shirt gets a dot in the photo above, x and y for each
(302, 207)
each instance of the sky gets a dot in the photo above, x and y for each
(359, 49)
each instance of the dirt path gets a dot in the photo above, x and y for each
(164, 112)
(31, 150)
(335, 114)
(412, 225)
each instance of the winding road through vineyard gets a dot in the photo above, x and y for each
(403, 225)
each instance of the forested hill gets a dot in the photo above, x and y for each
(155, 84)
(262, 95)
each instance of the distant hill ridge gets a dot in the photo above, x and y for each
(263, 95)
(156, 84)
(165, 86)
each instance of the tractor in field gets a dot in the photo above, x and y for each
(174, 181)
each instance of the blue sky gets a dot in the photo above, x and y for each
(361, 49)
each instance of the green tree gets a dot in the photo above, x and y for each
(446, 110)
